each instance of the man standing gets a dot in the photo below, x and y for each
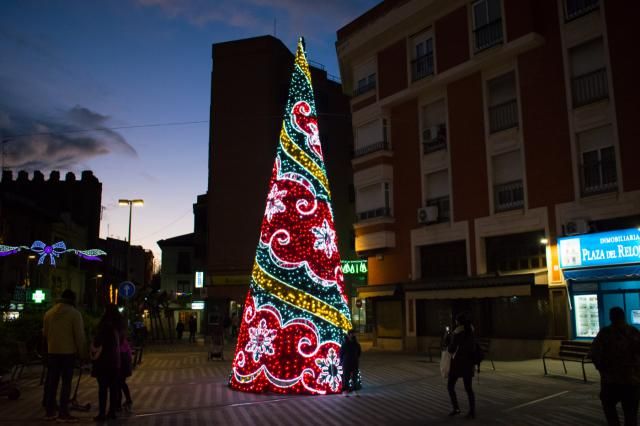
(63, 330)
(616, 354)
(193, 326)
(349, 358)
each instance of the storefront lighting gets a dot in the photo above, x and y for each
(544, 241)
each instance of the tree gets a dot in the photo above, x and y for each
(295, 315)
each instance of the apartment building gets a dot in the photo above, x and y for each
(484, 131)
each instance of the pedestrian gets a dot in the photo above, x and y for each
(462, 347)
(349, 358)
(63, 330)
(193, 326)
(126, 369)
(180, 329)
(616, 354)
(105, 353)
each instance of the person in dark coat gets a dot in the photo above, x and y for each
(616, 354)
(193, 326)
(105, 353)
(349, 358)
(180, 329)
(462, 347)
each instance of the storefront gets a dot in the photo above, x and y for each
(602, 270)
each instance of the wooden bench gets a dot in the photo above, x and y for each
(483, 342)
(570, 350)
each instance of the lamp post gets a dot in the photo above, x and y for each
(27, 280)
(130, 203)
(95, 300)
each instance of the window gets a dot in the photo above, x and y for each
(446, 260)
(373, 201)
(371, 137)
(365, 78)
(437, 189)
(487, 23)
(183, 287)
(434, 127)
(184, 263)
(588, 73)
(576, 8)
(515, 252)
(422, 62)
(502, 102)
(508, 188)
(598, 161)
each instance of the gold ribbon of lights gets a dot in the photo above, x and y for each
(299, 299)
(302, 158)
(301, 61)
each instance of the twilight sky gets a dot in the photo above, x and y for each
(74, 64)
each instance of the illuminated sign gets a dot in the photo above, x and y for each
(354, 267)
(600, 249)
(197, 305)
(199, 282)
(38, 295)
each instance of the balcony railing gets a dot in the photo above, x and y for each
(422, 67)
(370, 214)
(576, 8)
(590, 87)
(503, 116)
(368, 149)
(598, 177)
(508, 196)
(434, 139)
(364, 88)
(488, 35)
(444, 211)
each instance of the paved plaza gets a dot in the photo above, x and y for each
(176, 385)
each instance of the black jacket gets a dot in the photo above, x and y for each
(108, 362)
(461, 348)
(350, 354)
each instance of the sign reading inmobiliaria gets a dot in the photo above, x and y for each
(600, 249)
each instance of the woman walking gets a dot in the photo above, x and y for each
(105, 353)
(126, 369)
(462, 349)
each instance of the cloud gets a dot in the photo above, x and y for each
(57, 142)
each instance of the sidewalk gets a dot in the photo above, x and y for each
(176, 385)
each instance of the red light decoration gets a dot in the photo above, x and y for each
(295, 314)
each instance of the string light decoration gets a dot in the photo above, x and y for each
(52, 252)
(295, 314)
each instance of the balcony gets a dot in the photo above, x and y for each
(590, 87)
(503, 116)
(422, 67)
(368, 149)
(577, 8)
(374, 213)
(360, 90)
(508, 196)
(442, 203)
(598, 177)
(488, 35)
(434, 139)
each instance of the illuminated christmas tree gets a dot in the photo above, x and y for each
(295, 315)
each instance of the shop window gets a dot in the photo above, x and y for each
(515, 252)
(586, 315)
(444, 260)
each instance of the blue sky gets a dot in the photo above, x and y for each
(77, 64)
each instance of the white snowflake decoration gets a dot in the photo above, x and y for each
(260, 341)
(325, 238)
(331, 370)
(274, 202)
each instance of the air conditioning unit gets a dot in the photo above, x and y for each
(428, 214)
(576, 226)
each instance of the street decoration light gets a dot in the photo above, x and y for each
(52, 252)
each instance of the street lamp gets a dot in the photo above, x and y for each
(130, 203)
(97, 278)
(27, 276)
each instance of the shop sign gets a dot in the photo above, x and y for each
(197, 305)
(38, 296)
(600, 249)
(199, 280)
(354, 267)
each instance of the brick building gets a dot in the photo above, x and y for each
(484, 131)
(249, 87)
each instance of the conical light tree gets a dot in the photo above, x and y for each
(296, 314)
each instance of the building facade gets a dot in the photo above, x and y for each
(249, 86)
(484, 131)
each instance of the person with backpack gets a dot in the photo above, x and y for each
(464, 356)
(616, 354)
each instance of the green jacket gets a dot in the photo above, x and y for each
(64, 330)
(616, 354)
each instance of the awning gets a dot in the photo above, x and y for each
(376, 291)
(602, 274)
(472, 293)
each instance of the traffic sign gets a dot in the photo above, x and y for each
(126, 289)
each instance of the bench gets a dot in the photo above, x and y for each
(570, 350)
(483, 342)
